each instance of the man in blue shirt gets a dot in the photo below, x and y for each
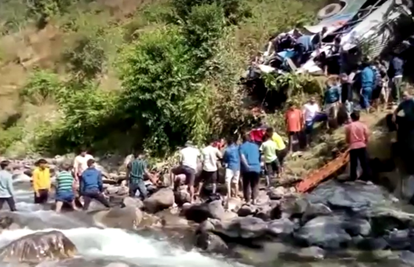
(6, 186)
(304, 47)
(396, 75)
(250, 163)
(91, 186)
(367, 84)
(332, 98)
(231, 159)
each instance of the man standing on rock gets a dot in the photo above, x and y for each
(80, 164)
(6, 186)
(250, 159)
(91, 186)
(41, 182)
(210, 156)
(136, 169)
(294, 120)
(310, 111)
(272, 165)
(231, 159)
(356, 134)
(189, 160)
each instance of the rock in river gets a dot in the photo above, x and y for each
(125, 218)
(323, 231)
(39, 247)
(201, 212)
(242, 228)
(162, 199)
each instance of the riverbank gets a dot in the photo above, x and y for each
(327, 145)
(292, 230)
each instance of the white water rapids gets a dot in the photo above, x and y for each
(104, 244)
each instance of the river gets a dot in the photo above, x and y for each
(99, 246)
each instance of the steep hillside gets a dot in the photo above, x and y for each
(116, 74)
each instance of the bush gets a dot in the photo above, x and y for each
(163, 75)
(86, 114)
(43, 86)
(9, 136)
(12, 16)
(179, 76)
(86, 59)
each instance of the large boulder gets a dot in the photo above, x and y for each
(201, 212)
(171, 220)
(38, 247)
(162, 199)
(351, 196)
(242, 228)
(210, 242)
(281, 228)
(323, 231)
(132, 202)
(124, 218)
(182, 197)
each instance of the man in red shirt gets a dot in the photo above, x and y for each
(294, 119)
(356, 134)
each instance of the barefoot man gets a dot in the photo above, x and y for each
(65, 183)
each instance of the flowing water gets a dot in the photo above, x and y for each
(102, 244)
(98, 246)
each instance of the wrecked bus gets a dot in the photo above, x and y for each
(378, 25)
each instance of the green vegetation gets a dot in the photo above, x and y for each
(151, 75)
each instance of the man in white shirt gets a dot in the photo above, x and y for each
(189, 159)
(210, 156)
(80, 163)
(310, 110)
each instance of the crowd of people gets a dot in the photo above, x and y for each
(80, 180)
(261, 151)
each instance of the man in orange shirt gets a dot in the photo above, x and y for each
(356, 134)
(294, 119)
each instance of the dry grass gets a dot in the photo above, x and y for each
(320, 154)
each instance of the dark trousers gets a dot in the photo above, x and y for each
(140, 186)
(89, 195)
(10, 202)
(43, 196)
(250, 185)
(361, 155)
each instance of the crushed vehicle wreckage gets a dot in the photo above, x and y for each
(344, 30)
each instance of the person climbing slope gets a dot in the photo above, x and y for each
(294, 123)
(356, 134)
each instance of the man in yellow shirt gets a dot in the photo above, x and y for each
(281, 149)
(272, 166)
(41, 182)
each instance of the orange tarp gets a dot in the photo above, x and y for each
(315, 177)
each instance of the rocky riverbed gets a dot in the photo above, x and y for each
(338, 224)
